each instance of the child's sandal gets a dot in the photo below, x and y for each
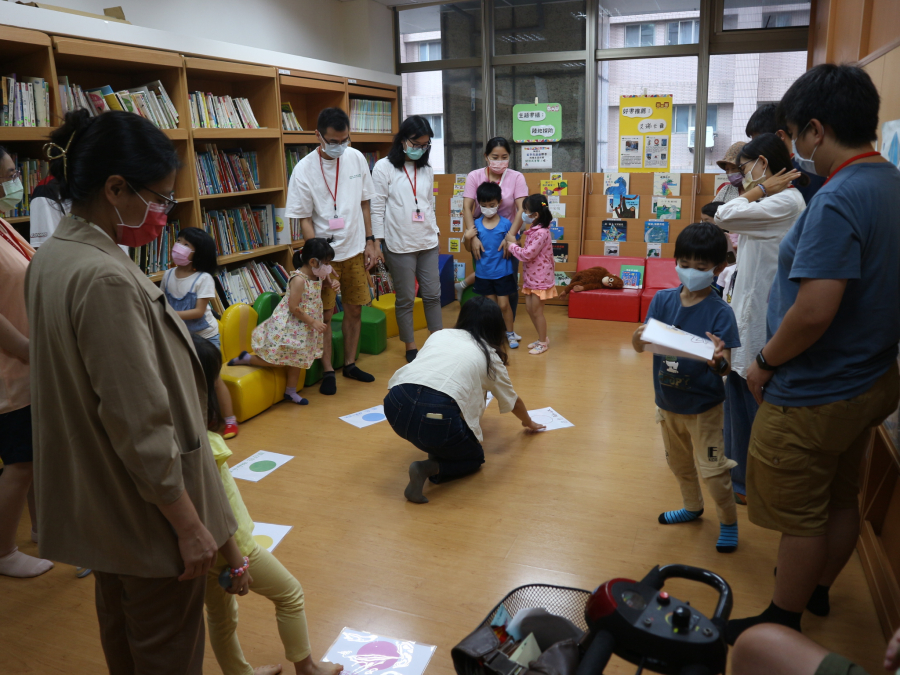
(540, 347)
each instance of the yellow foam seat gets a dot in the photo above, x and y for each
(387, 303)
(253, 390)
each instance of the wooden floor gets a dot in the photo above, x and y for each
(573, 507)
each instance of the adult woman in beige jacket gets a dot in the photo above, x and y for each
(125, 480)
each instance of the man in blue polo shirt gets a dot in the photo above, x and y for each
(828, 374)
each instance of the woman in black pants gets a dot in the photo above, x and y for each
(436, 402)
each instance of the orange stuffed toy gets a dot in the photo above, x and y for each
(591, 278)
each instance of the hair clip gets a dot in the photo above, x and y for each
(61, 153)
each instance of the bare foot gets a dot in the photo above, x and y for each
(419, 472)
(267, 670)
(309, 667)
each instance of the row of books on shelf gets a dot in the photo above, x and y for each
(292, 156)
(245, 284)
(157, 255)
(33, 172)
(26, 103)
(150, 101)
(232, 170)
(241, 228)
(209, 111)
(371, 158)
(288, 118)
(370, 117)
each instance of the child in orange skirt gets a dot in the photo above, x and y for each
(538, 280)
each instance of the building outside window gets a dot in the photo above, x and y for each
(430, 51)
(683, 32)
(640, 35)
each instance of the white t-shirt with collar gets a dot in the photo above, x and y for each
(308, 197)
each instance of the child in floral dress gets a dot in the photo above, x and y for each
(293, 336)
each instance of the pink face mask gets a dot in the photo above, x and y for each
(498, 166)
(322, 271)
(181, 255)
(154, 222)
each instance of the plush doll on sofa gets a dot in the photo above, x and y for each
(591, 278)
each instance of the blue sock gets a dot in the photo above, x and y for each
(679, 516)
(728, 538)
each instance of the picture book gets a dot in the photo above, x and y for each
(557, 232)
(665, 208)
(554, 187)
(720, 180)
(672, 341)
(667, 184)
(629, 207)
(656, 232)
(556, 176)
(611, 248)
(558, 210)
(562, 278)
(614, 230)
(456, 207)
(460, 270)
(632, 275)
(434, 189)
(458, 188)
(654, 250)
(456, 224)
(560, 253)
(453, 245)
(616, 183)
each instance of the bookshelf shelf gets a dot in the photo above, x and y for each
(176, 134)
(358, 138)
(18, 219)
(308, 96)
(14, 134)
(228, 134)
(300, 137)
(249, 255)
(245, 193)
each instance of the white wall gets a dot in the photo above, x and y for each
(312, 28)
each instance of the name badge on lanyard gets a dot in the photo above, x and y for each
(336, 223)
(417, 215)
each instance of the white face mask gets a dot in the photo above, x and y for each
(806, 165)
(489, 212)
(527, 219)
(334, 150)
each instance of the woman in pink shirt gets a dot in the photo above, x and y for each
(512, 183)
(538, 278)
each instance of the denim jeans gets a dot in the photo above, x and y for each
(740, 411)
(447, 439)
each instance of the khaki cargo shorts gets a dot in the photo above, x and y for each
(354, 283)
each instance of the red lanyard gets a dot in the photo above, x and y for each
(337, 175)
(413, 185)
(15, 242)
(871, 153)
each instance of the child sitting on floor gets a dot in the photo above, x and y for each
(539, 280)
(293, 335)
(689, 393)
(494, 276)
(259, 572)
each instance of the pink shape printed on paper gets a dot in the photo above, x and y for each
(378, 655)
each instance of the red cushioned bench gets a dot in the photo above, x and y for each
(606, 304)
(659, 274)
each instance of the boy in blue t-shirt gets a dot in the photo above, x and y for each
(690, 394)
(494, 276)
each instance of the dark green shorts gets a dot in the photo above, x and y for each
(835, 664)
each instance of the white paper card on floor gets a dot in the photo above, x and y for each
(670, 341)
(364, 653)
(258, 466)
(269, 536)
(366, 418)
(549, 418)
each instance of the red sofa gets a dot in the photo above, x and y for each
(659, 274)
(606, 304)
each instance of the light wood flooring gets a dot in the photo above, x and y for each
(573, 507)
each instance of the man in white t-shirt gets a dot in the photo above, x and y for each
(329, 192)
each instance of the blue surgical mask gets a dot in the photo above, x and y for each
(414, 153)
(335, 150)
(528, 220)
(806, 165)
(694, 280)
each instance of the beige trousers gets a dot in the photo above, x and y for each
(273, 581)
(695, 443)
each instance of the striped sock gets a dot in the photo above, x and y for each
(679, 516)
(728, 538)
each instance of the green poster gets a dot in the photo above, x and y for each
(537, 123)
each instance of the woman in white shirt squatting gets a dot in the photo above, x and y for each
(436, 401)
(761, 216)
(403, 220)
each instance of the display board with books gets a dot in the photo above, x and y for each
(637, 214)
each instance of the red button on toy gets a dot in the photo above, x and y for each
(663, 598)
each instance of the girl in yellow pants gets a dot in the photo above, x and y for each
(268, 576)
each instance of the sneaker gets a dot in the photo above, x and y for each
(516, 336)
(231, 430)
(513, 343)
(459, 290)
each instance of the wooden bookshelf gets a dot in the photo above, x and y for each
(93, 64)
